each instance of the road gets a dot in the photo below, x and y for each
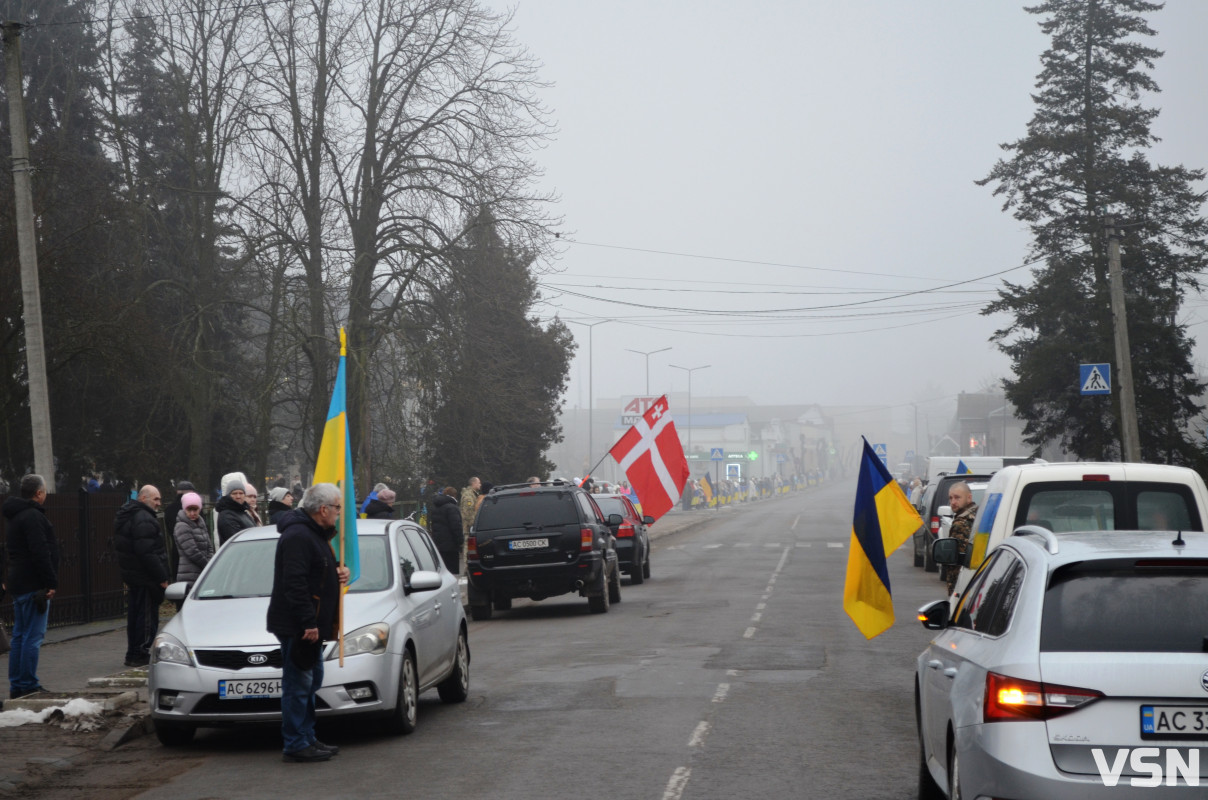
(733, 672)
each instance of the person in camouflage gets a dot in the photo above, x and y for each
(960, 499)
(468, 506)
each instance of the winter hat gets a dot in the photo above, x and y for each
(185, 486)
(191, 499)
(278, 494)
(234, 485)
(386, 496)
(232, 476)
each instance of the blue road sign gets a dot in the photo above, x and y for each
(881, 452)
(781, 458)
(716, 454)
(909, 455)
(1095, 378)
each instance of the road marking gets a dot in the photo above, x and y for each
(698, 735)
(675, 547)
(793, 527)
(756, 616)
(761, 606)
(733, 673)
(834, 544)
(723, 689)
(712, 546)
(765, 597)
(783, 558)
(748, 633)
(675, 786)
(771, 544)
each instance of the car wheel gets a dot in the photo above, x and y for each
(919, 558)
(456, 687)
(954, 772)
(928, 788)
(597, 602)
(174, 734)
(646, 566)
(635, 574)
(614, 585)
(503, 603)
(929, 564)
(406, 705)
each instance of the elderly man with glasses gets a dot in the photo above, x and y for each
(302, 614)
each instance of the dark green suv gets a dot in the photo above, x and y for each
(540, 541)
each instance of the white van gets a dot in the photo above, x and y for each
(1085, 496)
(978, 465)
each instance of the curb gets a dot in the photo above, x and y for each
(138, 727)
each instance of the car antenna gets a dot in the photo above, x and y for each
(1178, 540)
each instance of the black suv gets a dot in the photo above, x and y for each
(538, 542)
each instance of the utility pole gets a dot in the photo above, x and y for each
(648, 354)
(1130, 435)
(35, 349)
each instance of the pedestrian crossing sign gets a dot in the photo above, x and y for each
(1095, 378)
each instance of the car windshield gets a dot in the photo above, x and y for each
(1086, 508)
(245, 569)
(525, 510)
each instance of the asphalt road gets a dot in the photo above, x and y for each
(733, 672)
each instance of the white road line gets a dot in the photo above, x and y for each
(723, 689)
(758, 615)
(712, 546)
(675, 786)
(698, 735)
(834, 544)
(733, 673)
(783, 558)
(748, 633)
(761, 606)
(793, 527)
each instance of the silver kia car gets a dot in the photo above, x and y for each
(215, 664)
(1074, 666)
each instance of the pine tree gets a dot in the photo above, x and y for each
(1084, 158)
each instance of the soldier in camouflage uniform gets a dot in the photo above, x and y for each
(960, 499)
(468, 506)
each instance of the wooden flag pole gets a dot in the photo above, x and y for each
(340, 624)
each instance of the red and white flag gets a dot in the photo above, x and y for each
(653, 459)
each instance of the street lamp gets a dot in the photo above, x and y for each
(591, 403)
(690, 370)
(648, 355)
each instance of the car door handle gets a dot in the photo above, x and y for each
(950, 672)
(934, 664)
(437, 607)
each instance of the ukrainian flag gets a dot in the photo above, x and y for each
(335, 466)
(883, 520)
(962, 468)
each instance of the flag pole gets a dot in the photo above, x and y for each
(598, 463)
(340, 526)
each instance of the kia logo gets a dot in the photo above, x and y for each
(1204, 681)
(257, 658)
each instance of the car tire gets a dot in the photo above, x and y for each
(503, 603)
(406, 706)
(929, 564)
(597, 602)
(174, 734)
(954, 772)
(479, 613)
(919, 558)
(456, 687)
(928, 788)
(635, 574)
(614, 585)
(646, 566)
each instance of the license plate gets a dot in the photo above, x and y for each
(244, 690)
(528, 544)
(1174, 722)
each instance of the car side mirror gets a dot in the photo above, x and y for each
(424, 581)
(948, 552)
(177, 591)
(945, 511)
(614, 520)
(647, 520)
(934, 616)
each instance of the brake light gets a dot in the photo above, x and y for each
(586, 536)
(1096, 477)
(625, 531)
(935, 525)
(471, 547)
(1012, 699)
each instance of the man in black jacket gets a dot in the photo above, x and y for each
(143, 560)
(33, 554)
(302, 613)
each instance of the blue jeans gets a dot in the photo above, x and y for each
(298, 687)
(28, 629)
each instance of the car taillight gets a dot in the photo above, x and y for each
(586, 535)
(625, 531)
(471, 547)
(935, 525)
(1010, 699)
(1096, 477)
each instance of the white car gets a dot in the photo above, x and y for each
(215, 664)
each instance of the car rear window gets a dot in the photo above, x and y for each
(1085, 508)
(612, 505)
(1126, 610)
(536, 510)
(245, 569)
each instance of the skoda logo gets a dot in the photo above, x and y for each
(1204, 681)
(261, 658)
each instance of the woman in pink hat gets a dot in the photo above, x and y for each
(193, 540)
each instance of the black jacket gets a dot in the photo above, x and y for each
(446, 524)
(306, 587)
(33, 551)
(232, 518)
(378, 510)
(139, 542)
(275, 509)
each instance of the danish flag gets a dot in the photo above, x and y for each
(653, 459)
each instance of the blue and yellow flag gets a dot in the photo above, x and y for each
(962, 468)
(335, 466)
(883, 520)
(706, 488)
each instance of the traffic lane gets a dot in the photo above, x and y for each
(562, 701)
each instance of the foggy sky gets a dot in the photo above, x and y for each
(840, 139)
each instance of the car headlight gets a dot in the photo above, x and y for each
(369, 639)
(167, 648)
